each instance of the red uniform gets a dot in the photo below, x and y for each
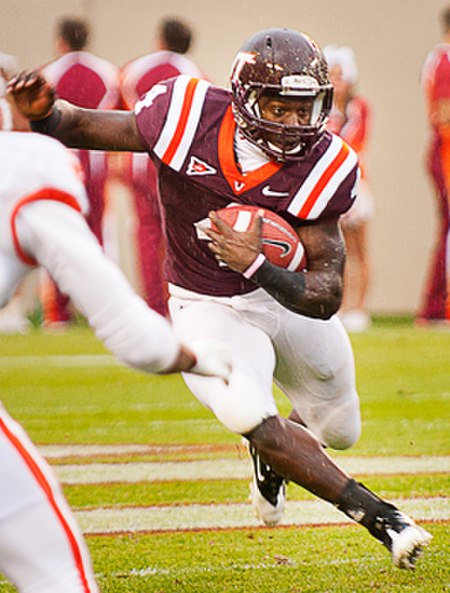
(436, 84)
(137, 77)
(91, 82)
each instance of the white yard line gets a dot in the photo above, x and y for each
(61, 451)
(75, 360)
(217, 469)
(197, 516)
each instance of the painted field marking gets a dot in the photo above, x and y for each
(196, 516)
(74, 360)
(216, 469)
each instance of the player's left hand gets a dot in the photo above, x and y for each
(32, 95)
(213, 358)
(238, 250)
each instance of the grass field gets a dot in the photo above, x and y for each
(161, 488)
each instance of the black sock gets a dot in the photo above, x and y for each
(366, 508)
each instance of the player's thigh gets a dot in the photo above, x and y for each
(248, 398)
(315, 369)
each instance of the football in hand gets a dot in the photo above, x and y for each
(281, 244)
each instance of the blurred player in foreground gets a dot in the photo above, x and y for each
(265, 144)
(41, 200)
(87, 80)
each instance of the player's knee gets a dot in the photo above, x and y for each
(342, 428)
(343, 439)
(241, 418)
(243, 407)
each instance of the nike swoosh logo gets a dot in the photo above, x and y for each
(271, 193)
(283, 246)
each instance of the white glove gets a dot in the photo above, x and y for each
(213, 358)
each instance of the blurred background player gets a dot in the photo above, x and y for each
(41, 223)
(350, 119)
(173, 40)
(91, 82)
(436, 85)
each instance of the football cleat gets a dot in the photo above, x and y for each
(402, 537)
(267, 490)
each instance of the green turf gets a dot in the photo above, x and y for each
(331, 560)
(403, 381)
(223, 491)
(402, 378)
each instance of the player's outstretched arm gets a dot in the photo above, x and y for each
(57, 236)
(316, 292)
(34, 98)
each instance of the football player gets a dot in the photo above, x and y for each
(41, 200)
(263, 143)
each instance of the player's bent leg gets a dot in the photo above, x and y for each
(294, 452)
(238, 405)
(315, 369)
(247, 399)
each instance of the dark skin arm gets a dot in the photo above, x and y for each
(316, 292)
(34, 98)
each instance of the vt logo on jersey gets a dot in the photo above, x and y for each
(198, 167)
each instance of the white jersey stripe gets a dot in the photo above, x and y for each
(173, 116)
(173, 121)
(310, 182)
(332, 186)
(316, 174)
(191, 126)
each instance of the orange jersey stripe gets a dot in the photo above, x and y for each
(185, 110)
(48, 193)
(323, 180)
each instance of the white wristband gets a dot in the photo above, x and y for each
(254, 267)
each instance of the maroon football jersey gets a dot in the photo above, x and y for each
(188, 128)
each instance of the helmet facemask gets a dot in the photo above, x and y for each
(258, 73)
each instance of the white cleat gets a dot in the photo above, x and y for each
(268, 513)
(267, 491)
(402, 537)
(407, 546)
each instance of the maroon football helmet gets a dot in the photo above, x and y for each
(284, 63)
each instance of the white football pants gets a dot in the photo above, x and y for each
(310, 360)
(42, 549)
